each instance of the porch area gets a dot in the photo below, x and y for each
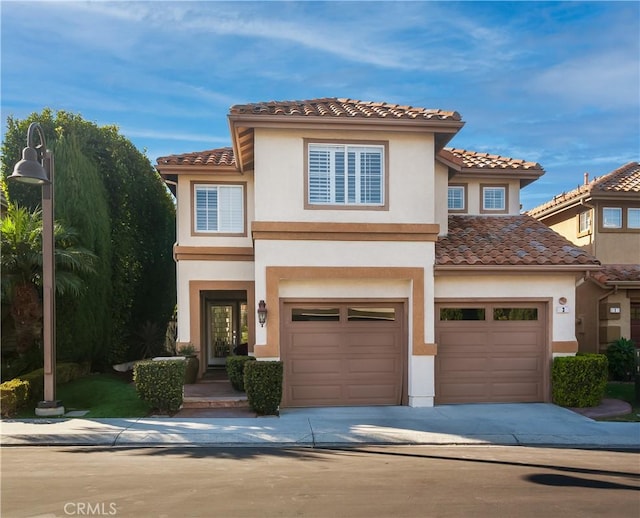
(214, 396)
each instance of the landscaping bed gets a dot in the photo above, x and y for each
(102, 395)
(625, 391)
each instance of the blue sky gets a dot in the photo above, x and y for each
(556, 83)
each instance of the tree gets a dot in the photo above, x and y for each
(21, 263)
(87, 327)
(111, 193)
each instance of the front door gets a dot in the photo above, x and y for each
(226, 330)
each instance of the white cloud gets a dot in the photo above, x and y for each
(605, 80)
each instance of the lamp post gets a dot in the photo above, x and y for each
(36, 168)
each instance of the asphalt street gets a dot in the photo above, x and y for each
(364, 481)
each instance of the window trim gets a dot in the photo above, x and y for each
(200, 233)
(607, 227)
(629, 209)
(589, 229)
(465, 198)
(384, 144)
(504, 186)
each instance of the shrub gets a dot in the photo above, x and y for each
(29, 388)
(14, 394)
(160, 383)
(622, 360)
(263, 383)
(235, 370)
(579, 381)
(35, 379)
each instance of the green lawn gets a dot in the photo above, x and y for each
(103, 395)
(626, 391)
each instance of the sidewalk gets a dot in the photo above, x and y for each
(532, 424)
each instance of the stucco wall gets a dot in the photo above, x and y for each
(440, 203)
(184, 215)
(618, 247)
(518, 287)
(279, 177)
(188, 271)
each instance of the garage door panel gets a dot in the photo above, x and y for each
(462, 390)
(316, 367)
(373, 365)
(516, 389)
(380, 339)
(460, 365)
(372, 393)
(527, 338)
(314, 340)
(310, 392)
(468, 337)
(529, 366)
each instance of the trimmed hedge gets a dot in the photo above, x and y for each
(235, 370)
(13, 395)
(263, 383)
(160, 383)
(579, 381)
(29, 388)
(621, 355)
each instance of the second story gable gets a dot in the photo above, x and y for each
(484, 183)
(602, 216)
(341, 160)
(337, 162)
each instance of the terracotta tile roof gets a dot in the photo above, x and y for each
(466, 159)
(625, 179)
(615, 273)
(333, 107)
(506, 241)
(215, 157)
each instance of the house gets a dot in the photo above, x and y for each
(392, 269)
(602, 216)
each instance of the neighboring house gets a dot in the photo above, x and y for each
(602, 216)
(393, 270)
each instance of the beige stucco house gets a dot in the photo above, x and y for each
(393, 270)
(602, 216)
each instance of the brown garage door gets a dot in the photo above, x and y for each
(342, 354)
(490, 353)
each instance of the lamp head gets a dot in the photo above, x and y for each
(29, 169)
(262, 313)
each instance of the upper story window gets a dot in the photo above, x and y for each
(494, 198)
(612, 217)
(345, 174)
(219, 208)
(584, 221)
(456, 198)
(633, 218)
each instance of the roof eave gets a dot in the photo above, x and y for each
(526, 176)
(512, 268)
(560, 207)
(281, 121)
(195, 169)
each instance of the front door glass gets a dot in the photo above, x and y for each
(222, 334)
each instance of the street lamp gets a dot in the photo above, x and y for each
(36, 168)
